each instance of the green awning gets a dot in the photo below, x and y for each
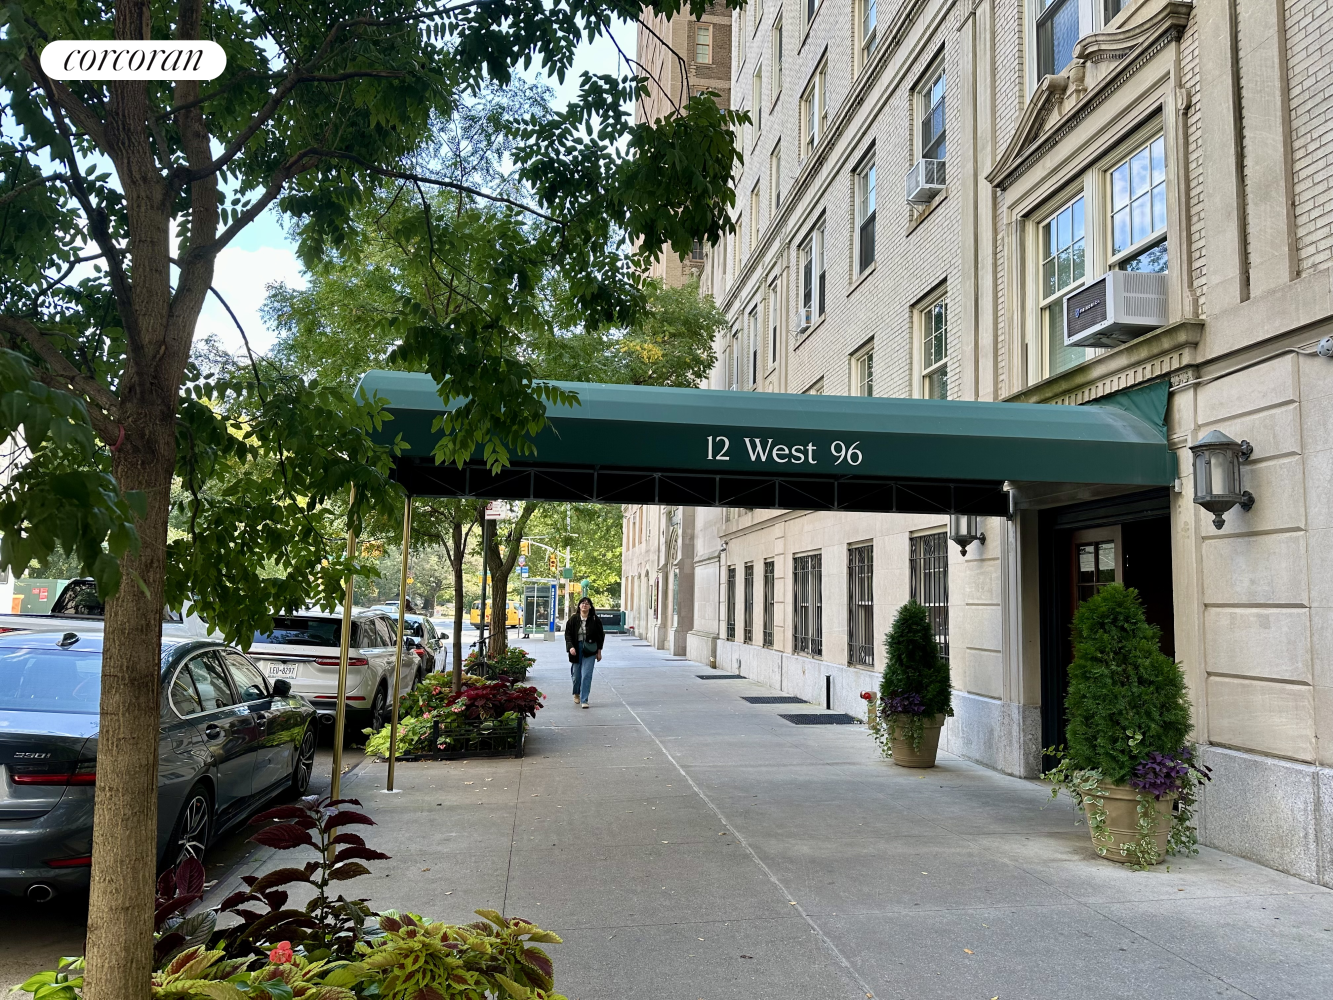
(644, 444)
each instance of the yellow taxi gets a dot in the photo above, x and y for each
(513, 616)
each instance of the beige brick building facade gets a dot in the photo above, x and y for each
(1192, 142)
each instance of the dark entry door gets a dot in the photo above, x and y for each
(1086, 547)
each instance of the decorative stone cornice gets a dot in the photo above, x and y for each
(1065, 97)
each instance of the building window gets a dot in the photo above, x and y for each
(865, 216)
(1057, 31)
(752, 348)
(703, 43)
(734, 361)
(756, 13)
(863, 372)
(930, 107)
(748, 634)
(812, 276)
(675, 597)
(769, 593)
(810, 7)
(928, 563)
(757, 99)
(1138, 210)
(860, 606)
(774, 181)
(815, 388)
(1062, 269)
(1096, 567)
(754, 215)
(738, 29)
(808, 604)
(1112, 8)
(935, 349)
(777, 59)
(697, 250)
(869, 35)
(774, 312)
(814, 109)
(731, 602)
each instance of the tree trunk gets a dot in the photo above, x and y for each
(125, 820)
(501, 569)
(456, 559)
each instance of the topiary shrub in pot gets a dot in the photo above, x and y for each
(1127, 762)
(914, 696)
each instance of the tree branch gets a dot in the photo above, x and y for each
(60, 367)
(23, 188)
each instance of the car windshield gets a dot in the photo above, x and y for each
(48, 680)
(302, 631)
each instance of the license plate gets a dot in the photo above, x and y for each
(276, 670)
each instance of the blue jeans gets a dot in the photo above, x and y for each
(581, 673)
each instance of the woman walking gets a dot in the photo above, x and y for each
(584, 637)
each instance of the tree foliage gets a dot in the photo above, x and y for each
(1121, 684)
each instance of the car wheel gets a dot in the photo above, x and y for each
(379, 709)
(305, 762)
(194, 824)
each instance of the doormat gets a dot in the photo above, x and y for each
(720, 677)
(829, 719)
(775, 700)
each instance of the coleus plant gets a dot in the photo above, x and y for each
(325, 926)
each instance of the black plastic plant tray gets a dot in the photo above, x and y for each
(720, 677)
(476, 738)
(823, 719)
(765, 699)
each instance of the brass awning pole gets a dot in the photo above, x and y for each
(344, 642)
(398, 657)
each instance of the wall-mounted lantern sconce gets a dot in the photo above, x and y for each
(964, 529)
(1217, 461)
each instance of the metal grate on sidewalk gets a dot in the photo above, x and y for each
(765, 699)
(720, 677)
(823, 719)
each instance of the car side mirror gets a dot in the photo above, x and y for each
(282, 687)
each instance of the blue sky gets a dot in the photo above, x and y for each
(262, 254)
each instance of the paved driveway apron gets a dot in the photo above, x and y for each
(688, 845)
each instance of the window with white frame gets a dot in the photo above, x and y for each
(810, 7)
(754, 216)
(930, 113)
(933, 323)
(774, 312)
(753, 340)
(756, 13)
(776, 44)
(738, 29)
(867, 30)
(811, 276)
(1138, 210)
(1113, 7)
(1063, 269)
(1057, 31)
(863, 371)
(814, 109)
(775, 181)
(734, 361)
(703, 43)
(757, 99)
(865, 215)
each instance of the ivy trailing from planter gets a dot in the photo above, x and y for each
(915, 687)
(1128, 724)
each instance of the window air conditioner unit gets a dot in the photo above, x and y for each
(1116, 308)
(807, 317)
(924, 181)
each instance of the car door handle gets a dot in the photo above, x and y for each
(213, 731)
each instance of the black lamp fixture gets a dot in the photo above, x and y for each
(1217, 461)
(964, 529)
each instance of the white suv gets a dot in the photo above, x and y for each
(304, 649)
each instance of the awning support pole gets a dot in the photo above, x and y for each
(398, 657)
(344, 643)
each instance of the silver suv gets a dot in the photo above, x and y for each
(303, 649)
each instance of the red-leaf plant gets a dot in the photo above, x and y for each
(178, 889)
(493, 699)
(326, 927)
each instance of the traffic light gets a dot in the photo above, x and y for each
(525, 547)
(551, 562)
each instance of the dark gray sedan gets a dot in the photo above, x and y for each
(227, 743)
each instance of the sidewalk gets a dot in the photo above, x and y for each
(688, 845)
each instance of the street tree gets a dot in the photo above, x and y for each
(116, 198)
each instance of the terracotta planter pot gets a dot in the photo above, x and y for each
(1122, 822)
(903, 754)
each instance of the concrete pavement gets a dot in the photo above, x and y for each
(687, 844)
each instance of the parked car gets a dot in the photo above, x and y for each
(426, 643)
(304, 651)
(79, 604)
(228, 742)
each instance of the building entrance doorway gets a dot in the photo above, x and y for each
(1088, 546)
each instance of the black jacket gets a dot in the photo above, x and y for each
(596, 633)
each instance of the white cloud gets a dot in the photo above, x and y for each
(241, 277)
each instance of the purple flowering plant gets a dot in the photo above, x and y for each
(904, 703)
(1161, 774)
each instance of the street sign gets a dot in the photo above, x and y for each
(523, 572)
(523, 561)
(567, 573)
(497, 509)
